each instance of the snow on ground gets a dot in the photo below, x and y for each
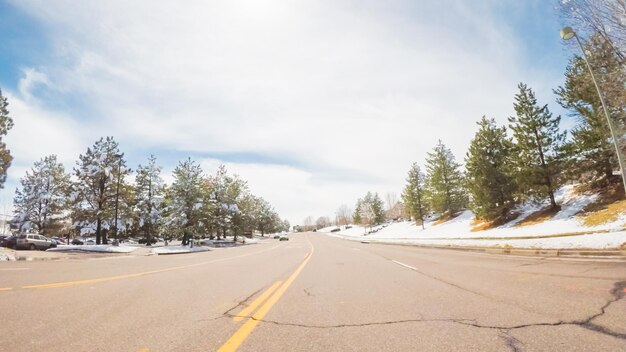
(5, 256)
(103, 248)
(458, 230)
(179, 249)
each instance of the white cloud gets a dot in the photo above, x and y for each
(354, 91)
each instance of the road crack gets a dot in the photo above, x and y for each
(514, 344)
(241, 303)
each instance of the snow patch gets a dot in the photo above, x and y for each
(102, 248)
(178, 249)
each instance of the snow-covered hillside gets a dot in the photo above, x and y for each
(567, 229)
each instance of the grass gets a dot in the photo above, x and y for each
(608, 213)
(539, 216)
(606, 209)
(481, 225)
(445, 217)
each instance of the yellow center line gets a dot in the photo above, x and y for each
(128, 276)
(246, 329)
(257, 302)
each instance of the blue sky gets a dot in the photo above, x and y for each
(314, 102)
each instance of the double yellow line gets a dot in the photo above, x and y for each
(274, 293)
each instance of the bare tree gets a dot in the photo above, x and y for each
(343, 215)
(606, 18)
(308, 223)
(391, 198)
(321, 222)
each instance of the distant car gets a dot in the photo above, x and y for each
(90, 242)
(77, 242)
(59, 240)
(144, 240)
(32, 242)
(283, 238)
(276, 236)
(8, 242)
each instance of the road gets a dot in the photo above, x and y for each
(314, 293)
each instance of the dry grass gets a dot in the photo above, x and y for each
(608, 213)
(445, 217)
(481, 225)
(539, 216)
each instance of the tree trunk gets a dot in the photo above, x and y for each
(98, 229)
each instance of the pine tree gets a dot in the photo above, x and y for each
(100, 176)
(488, 165)
(378, 208)
(41, 202)
(185, 200)
(413, 194)
(538, 149)
(591, 146)
(149, 190)
(6, 123)
(356, 216)
(444, 185)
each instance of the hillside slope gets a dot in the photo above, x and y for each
(563, 230)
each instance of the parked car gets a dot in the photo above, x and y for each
(144, 240)
(283, 238)
(32, 242)
(77, 242)
(59, 240)
(8, 242)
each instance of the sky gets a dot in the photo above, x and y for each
(314, 103)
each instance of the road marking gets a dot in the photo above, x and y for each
(245, 312)
(404, 265)
(246, 329)
(128, 276)
(6, 288)
(13, 269)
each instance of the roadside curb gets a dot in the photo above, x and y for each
(532, 252)
(176, 253)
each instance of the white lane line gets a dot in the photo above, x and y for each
(404, 265)
(11, 269)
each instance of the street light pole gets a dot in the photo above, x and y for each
(117, 191)
(568, 33)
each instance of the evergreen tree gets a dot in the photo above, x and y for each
(413, 194)
(100, 174)
(537, 154)
(6, 123)
(185, 200)
(40, 203)
(488, 165)
(149, 191)
(444, 185)
(356, 216)
(378, 208)
(591, 146)
(369, 210)
(236, 191)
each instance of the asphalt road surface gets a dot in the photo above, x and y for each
(313, 293)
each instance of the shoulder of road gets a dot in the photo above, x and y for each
(620, 254)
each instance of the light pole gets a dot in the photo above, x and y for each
(568, 33)
(117, 192)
